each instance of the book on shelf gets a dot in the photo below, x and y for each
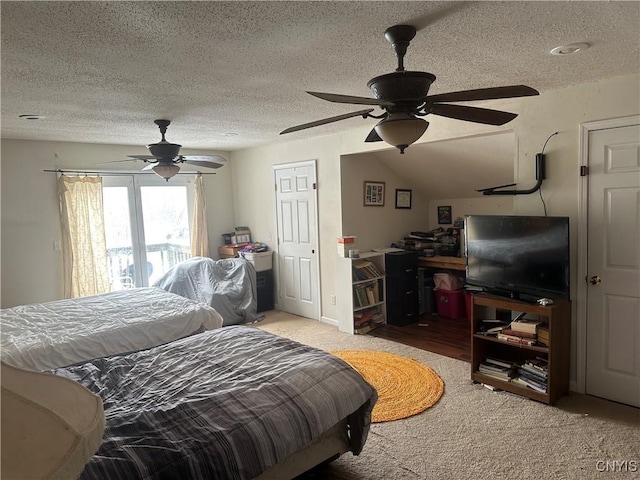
(539, 364)
(497, 371)
(525, 325)
(516, 340)
(543, 335)
(539, 387)
(366, 328)
(362, 319)
(366, 268)
(370, 296)
(516, 333)
(500, 363)
(497, 376)
(533, 375)
(519, 381)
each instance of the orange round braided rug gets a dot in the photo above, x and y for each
(405, 386)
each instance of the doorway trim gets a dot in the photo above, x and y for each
(583, 229)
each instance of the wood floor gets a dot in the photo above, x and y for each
(451, 338)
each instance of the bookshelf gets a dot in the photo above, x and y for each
(556, 318)
(361, 303)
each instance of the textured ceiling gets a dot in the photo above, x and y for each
(101, 72)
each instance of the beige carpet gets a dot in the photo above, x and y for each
(473, 433)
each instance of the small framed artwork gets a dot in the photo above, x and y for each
(403, 198)
(373, 193)
(444, 214)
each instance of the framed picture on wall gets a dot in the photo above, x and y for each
(373, 193)
(403, 198)
(444, 215)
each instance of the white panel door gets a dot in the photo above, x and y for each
(297, 239)
(613, 305)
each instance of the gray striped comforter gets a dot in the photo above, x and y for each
(224, 404)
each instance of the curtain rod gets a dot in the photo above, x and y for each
(115, 173)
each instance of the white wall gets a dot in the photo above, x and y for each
(373, 225)
(486, 205)
(31, 269)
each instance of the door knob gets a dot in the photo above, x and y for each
(595, 280)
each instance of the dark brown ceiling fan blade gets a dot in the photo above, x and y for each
(472, 114)
(373, 136)
(144, 158)
(492, 93)
(208, 161)
(324, 121)
(337, 98)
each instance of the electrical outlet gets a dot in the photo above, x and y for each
(333, 299)
(57, 245)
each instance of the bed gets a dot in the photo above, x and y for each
(231, 403)
(60, 333)
(228, 285)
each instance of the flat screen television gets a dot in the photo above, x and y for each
(521, 257)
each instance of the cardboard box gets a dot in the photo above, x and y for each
(241, 236)
(345, 244)
(230, 251)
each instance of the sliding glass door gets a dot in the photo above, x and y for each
(147, 223)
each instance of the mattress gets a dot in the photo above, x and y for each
(230, 403)
(64, 332)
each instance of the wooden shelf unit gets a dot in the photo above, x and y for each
(348, 304)
(557, 316)
(441, 262)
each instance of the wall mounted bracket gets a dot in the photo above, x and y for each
(540, 176)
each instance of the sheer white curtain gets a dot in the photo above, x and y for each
(84, 246)
(199, 235)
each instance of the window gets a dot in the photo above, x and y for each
(147, 227)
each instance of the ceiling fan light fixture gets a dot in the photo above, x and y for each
(401, 129)
(166, 171)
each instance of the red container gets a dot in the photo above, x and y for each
(451, 304)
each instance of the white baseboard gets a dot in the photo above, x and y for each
(573, 386)
(329, 321)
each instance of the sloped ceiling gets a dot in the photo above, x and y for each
(455, 168)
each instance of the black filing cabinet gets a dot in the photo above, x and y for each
(402, 287)
(264, 284)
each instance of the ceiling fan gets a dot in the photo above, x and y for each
(165, 156)
(402, 95)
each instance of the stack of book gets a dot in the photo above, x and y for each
(499, 369)
(367, 320)
(364, 270)
(543, 335)
(513, 336)
(522, 331)
(533, 374)
(366, 294)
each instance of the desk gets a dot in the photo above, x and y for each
(450, 263)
